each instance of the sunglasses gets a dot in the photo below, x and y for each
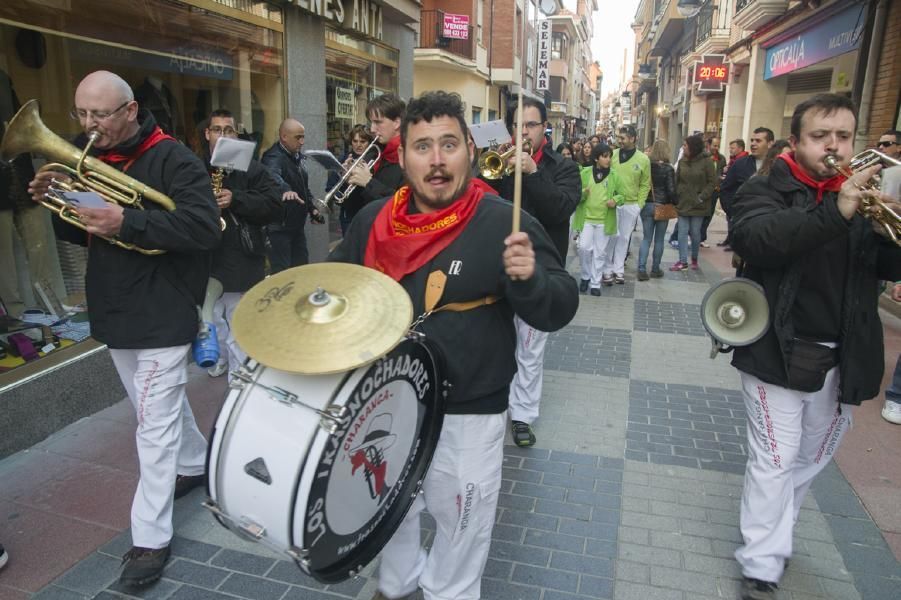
(886, 144)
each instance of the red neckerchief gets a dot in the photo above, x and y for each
(400, 243)
(741, 154)
(833, 184)
(389, 154)
(484, 186)
(539, 152)
(112, 157)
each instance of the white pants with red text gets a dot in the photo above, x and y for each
(792, 436)
(626, 218)
(525, 389)
(223, 311)
(167, 437)
(460, 491)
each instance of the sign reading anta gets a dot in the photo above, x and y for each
(361, 16)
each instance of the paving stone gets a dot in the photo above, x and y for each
(243, 562)
(563, 509)
(518, 553)
(161, 590)
(595, 587)
(197, 551)
(190, 592)
(297, 593)
(91, 575)
(499, 569)
(626, 590)
(680, 579)
(195, 573)
(582, 564)
(531, 520)
(649, 555)
(255, 588)
(602, 531)
(590, 350)
(546, 578)
(554, 541)
(52, 592)
(502, 590)
(288, 572)
(631, 571)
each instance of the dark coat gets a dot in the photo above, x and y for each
(256, 202)
(384, 182)
(138, 301)
(779, 230)
(290, 177)
(663, 183)
(550, 194)
(739, 172)
(695, 180)
(480, 344)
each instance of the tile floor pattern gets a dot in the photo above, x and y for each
(632, 492)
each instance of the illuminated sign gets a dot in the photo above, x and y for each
(711, 73)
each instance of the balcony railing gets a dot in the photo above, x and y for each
(705, 23)
(740, 4)
(431, 27)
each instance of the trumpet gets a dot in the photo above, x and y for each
(343, 189)
(493, 164)
(872, 207)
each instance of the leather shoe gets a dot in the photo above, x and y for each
(186, 483)
(143, 566)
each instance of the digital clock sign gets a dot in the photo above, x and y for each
(711, 73)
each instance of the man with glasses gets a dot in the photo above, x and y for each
(249, 200)
(633, 168)
(551, 190)
(285, 161)
(144, 308)
(890, 143)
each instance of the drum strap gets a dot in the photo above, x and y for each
(435, 288)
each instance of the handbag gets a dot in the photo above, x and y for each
(663, 212)
(253, 238)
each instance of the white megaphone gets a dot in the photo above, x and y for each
(735, 313)
(206, 345)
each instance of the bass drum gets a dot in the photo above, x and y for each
(324, 467)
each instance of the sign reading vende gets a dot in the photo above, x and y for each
(543, 76)
(456, 26)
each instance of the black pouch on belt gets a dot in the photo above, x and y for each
(808, 364)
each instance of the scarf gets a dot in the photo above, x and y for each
(389, 154)
(833, 184)
(625, 155)
(539, 152)
(600, 174)
(112, 156)
(400, 242)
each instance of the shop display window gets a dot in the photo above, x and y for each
(182, 61)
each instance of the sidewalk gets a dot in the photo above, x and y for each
(631, 493)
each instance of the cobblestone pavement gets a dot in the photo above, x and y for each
(632, 491)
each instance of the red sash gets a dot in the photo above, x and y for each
(833, 184)
(539, 152)
(400, 243)
(389, 154)
(112, 157)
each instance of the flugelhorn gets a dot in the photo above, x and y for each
(493, 164)
(342, 190)
(872, 207)
(27, 133)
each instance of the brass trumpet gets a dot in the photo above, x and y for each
(27, 133)
(888, 219)
(342, 190)
(493, 164)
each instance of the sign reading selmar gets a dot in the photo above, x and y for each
(361, 16)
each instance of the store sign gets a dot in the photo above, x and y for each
(838, 35)
(711, 73)
(543, 75)
(200, 62)
(361, 16)
(344, 103)
(455, 26)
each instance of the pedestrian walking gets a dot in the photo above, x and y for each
(695, 180)
(663, 191)
(633, 168)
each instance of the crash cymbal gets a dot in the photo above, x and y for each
(322, 318)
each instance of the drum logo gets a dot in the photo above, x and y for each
(370, 455)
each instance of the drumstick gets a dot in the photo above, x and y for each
(517, 176)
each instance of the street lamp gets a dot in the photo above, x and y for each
(689, 8)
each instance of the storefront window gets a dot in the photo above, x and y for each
(356, 71)
(182, 62)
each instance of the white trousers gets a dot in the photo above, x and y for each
(525, 389)
(593, 257)
(460, 491)
(792, 436)
(167, 437)
(223, 311)
(626, 218)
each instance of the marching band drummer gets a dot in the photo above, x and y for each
(249, 200)
(444, 231)
(385, 113)
(145, 307)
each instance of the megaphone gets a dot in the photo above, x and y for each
(206, 346)
(735, 312)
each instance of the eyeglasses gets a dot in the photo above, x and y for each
(886, 144)
(226, 131)
(98, 115)
(532, 124)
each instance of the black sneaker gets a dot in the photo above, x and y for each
(523, 436)
(186, 483)
(595, 291)
(656, 273)
(583, 285)
(755, 589)
(643, 276)
(143, 566)
(4, 556)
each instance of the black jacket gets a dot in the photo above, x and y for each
(479, 345)
(663, 183)
(256, 202)
(550, 194)
(138, 301)
(384, 182)
(290, 177)
(780, 231)
(740, 171)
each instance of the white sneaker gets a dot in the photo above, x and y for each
(891, 412)
(218, 369)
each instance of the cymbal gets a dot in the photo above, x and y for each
(322, 318)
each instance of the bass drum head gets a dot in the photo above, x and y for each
(371, 468)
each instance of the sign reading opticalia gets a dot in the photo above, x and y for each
(837, 35)
(362, 16)
(344, 103)
(455, 26)
(542, 80)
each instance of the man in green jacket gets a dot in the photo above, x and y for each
(633, 169)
